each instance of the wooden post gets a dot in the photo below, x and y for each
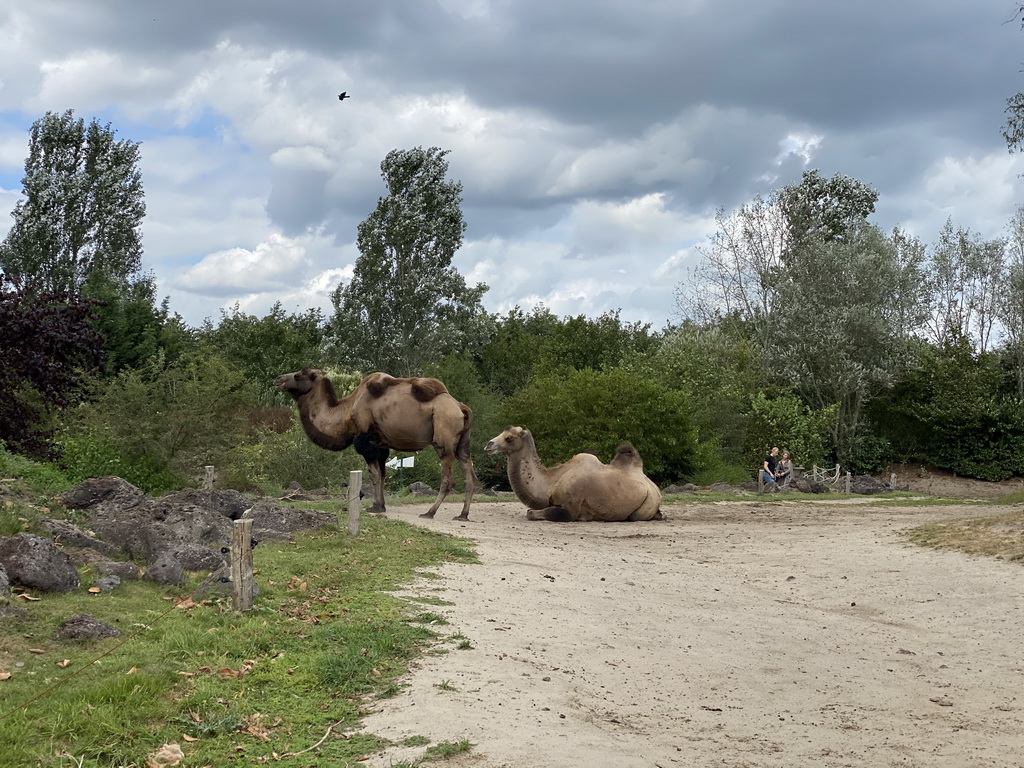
(241, 564)
(892, 481)
(847, 481)
(355, 484)
(760, 481)
(208, 475)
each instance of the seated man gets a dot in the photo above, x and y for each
(769, 469)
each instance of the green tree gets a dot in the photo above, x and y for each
(957, 410)
(1010, 307)
(965, 278)
(587, 410)
(263, 348)
(839, 332)
(82, 211)
(406, 305)
(168, 418)
(718, 369)
(506, 360)
(597, 343)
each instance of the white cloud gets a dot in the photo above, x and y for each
(268, 265)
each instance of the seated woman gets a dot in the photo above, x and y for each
(784, 471)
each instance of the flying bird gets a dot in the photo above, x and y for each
(343, 95)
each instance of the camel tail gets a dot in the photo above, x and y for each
(463, 450)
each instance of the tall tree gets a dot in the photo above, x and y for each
(82, 211)
(406, 305)
(966, 276)
(1011, 299)
(839, 332)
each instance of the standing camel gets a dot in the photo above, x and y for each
(386, 413)
(580, 489)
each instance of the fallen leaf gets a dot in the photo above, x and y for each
(64, 664)
(132, 671)
(228, 672)
(188, 602)
(94, 590)
(26, 596)
(36, 651)
(188, 738)
(5, 675)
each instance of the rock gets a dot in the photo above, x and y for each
(165, 569)
(230, 504)
(421, 489)
(5, 582)
(107, 583)
(155, 526)
(274, 522)
(102, 491)
(687, 488)
(866, 484)
(68, 535)
(36, 563)
(82, 626)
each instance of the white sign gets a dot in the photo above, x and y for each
(395, 463)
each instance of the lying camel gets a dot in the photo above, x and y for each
(580, 489)
(386, 413)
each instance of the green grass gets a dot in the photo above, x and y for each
(447, 749)
(231, 689)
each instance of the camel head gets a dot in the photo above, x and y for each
(299, 383)
(511, 440)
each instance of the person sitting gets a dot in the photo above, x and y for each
(784, 470)
(769, 469)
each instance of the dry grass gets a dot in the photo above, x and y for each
(999, 536)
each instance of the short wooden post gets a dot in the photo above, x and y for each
(892, 481)
(355, 485)
(241, 564)
(760, 481)
(208, 475)
(847, 481)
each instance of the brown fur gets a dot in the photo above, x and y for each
(387, 413)
(580, 489)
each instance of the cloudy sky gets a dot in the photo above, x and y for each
(595, 139)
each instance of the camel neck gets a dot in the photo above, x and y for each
(528, 477)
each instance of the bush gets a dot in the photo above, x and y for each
(598, 410)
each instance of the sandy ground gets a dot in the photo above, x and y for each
(767, 633)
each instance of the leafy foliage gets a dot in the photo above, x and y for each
(180, 416)
(598, 410)
(263, 348)
(82, 211)
(839, 328)
(406, 305)
(958, 411)
(47, 348)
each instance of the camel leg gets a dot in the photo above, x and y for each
(368, 446)
(447, 461)
(554, 514)
(469, 478)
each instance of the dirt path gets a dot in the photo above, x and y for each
(729, 635)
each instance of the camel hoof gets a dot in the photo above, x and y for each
(464, 516)
(428, 515)
(375, 510)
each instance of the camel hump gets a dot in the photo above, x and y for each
(377, 384)
(426, 390)
(627, 457)
(423, 390)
